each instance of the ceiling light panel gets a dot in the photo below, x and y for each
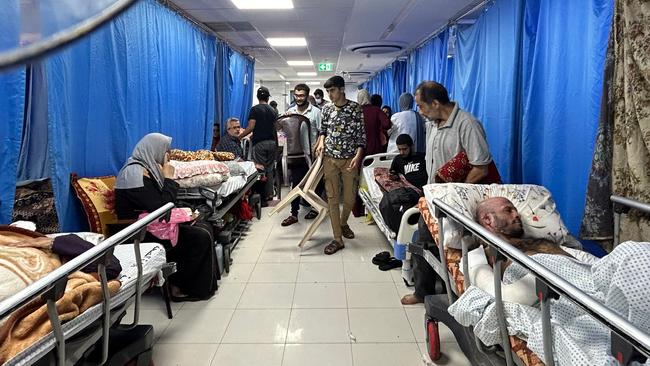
(300, 63)
(263, 4)
(287, 42)
(306, 74)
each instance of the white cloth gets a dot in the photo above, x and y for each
(403, 123)
(618, 281)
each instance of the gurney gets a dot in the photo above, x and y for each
(371, 194)
(68, 342)
(627, 341)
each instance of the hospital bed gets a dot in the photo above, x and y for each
(215, 202)
(67, 343)
(448, 218)
(371, 194)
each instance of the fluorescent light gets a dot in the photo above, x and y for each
(287, 42)
(263, 4)
(288, 83)
(300, 63)
(313, 83)
(281, 77)
(307, 74)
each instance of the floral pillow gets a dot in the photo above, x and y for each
(536, 207)
(97, 197)
(187, 169)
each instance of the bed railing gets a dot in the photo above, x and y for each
(51, 286)
(626, 337)
(622, 205)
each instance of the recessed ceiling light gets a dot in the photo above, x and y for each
(300, 63)
(313, 83)
(281, 76)
(287, 42)
(306, 73)
(263, 4)
(288, 83)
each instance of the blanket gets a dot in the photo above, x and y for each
(23, 261)
(617, 280)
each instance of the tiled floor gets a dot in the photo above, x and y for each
(281, 307)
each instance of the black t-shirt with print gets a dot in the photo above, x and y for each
(412, 167)
(264, 116)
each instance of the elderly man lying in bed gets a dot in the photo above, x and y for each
(617, 280)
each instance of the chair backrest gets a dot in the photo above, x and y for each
(291, 125)
(97, 196)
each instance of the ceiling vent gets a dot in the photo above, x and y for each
(231, 27)
(357, 73)
(376, 48)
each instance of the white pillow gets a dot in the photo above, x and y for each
(537, 208)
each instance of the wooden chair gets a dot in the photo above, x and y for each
(306, 190)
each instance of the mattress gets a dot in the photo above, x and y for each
(153, 258)
(370, 185)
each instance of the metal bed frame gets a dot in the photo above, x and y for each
(623, 205)
(51, 288)
(626, 337)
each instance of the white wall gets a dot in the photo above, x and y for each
(279, 91)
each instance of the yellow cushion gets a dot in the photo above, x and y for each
(97, 198)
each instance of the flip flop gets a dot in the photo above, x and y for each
(392, 263)
(381, 258)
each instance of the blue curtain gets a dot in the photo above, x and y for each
(564, 57)
(390, 83)
(147, 71)
(430, 62)
(486, 77)
(234, 84)
(222, 82)
(12, 100)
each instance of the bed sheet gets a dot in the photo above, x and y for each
(153, 257)
(235, 183)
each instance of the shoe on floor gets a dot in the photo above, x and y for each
(312, 214)
(347, 232)
(381, 258)
(289, 221)
(411, 299)
(333, 247)
(390, 264)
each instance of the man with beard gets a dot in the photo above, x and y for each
(300, 168)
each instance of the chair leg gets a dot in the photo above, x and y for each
(286, 201)
(167, 298)
(313, 227)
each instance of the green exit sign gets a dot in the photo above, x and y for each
(325, 67)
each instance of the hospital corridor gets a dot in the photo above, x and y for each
(324, 182)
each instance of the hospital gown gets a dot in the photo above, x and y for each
(618, 281)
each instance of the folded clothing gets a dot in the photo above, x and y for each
(206, 180)
(187, 169)
(457, 169)
(68, 247)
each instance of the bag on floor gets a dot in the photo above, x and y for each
(395, 203)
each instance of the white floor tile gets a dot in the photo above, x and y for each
(227, 297)
(317, 355)
(320, 272)
(364, 272)
(258, 326)
(280, 254)
(157, 318)
(451, 355)
(197, 326)
(239, 273)
(246, 254)
(372, 295)
(274, 273)
(184, 354)
(318, 326)
(380, 325)
(386, 354)
(356, 252)
(249, 355)
(416, 318)
(267, 296)
(320, 295)
(154, 301)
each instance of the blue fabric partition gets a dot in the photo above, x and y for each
(12, 100)
(566, 42)
(430, 62)
(234, 84)
(486, 72)
(390, 83)
(149, 70)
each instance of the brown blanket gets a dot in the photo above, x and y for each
(23, 261)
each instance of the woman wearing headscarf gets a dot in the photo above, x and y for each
(406, 122)
(375, 121)
(144, 184)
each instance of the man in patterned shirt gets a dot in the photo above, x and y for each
(341, 140)
(230, 141)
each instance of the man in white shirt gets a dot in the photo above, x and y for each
(300, 168)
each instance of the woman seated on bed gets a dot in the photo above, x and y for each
(143, 185)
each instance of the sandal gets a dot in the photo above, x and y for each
(381, 258)
(289, 221)
(333, 247)
(311, 215)
(390, 264)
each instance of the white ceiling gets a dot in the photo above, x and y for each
(329, 27)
